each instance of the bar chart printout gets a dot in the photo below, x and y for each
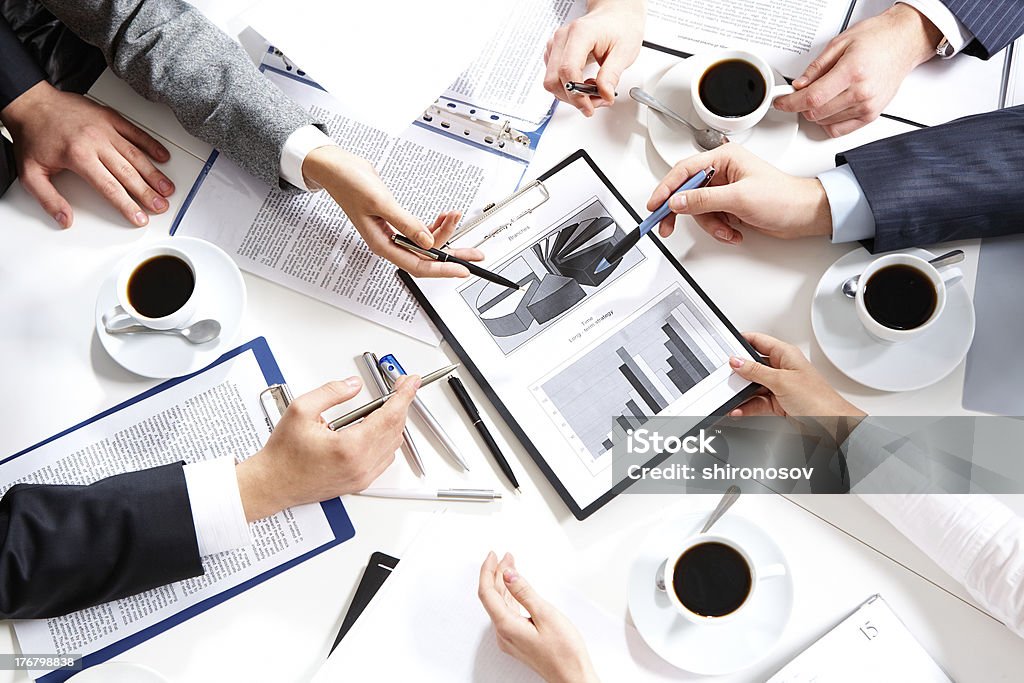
(641, 369)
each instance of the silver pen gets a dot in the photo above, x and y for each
(392, 369)
(364, 410)
(378, 378)
(470, 495)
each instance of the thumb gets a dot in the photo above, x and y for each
(523, 592)
(770, 378)
(704, 200)
(407, 224)
(327, 396)
(37, 183)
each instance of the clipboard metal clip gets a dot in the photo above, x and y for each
(274, 400)
(494, 132)
(535, 191)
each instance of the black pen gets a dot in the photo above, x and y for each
(583, 88)
(443, 256)
(474, 416)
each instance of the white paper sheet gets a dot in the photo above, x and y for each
(306, 242)
(428, 616)
(387, 61)
(788, 33)
(167, 427)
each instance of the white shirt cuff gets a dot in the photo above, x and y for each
(216, 505)
(298, 145)
(852, 219)
(951, 28)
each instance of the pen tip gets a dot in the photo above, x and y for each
(603, 265)
(519, 491)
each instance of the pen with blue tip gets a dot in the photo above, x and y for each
(701, 179)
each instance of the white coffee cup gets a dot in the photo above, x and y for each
(947, 277)
(757, 574)
(125, 314)
(734, 124)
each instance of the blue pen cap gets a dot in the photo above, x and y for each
(390, 365)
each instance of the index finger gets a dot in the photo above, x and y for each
(818, 93)
(573, 58)
(492, 601)
(391, 416)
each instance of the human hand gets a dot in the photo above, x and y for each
(860, 70)
(794, 387)
(54, 131)
(746, 192)
(368, 203)
(547, 642)
(611, 31)
(304, 461)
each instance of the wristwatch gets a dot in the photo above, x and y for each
(944, 49)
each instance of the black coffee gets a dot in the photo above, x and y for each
(900, 297)
(160, 286)
(711, 579)
(732, 87)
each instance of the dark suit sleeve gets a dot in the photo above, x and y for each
(18, 72)
(960, 180)
(994, 23)
(65, 548)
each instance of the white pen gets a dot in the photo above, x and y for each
(392, 369)
(470, 495)
(378, 378)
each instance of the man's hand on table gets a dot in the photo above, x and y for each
(860, 70)
(54, 131)
(304, 461)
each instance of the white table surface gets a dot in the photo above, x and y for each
(56, 374)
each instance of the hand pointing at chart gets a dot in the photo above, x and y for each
(611, 32)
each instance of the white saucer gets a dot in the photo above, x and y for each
(118, 672)
(221, 293)
(712, 649)
(912, 365)
(769, 139)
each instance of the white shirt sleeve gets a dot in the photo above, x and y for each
(951, 28)
(298, 145)
(974, 537)
(217, 512)
(852, 219)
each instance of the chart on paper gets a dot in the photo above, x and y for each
(661, 359)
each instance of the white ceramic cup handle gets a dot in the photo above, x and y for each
(777, 569)
(780, 90)
(951, 275)
(117, 318)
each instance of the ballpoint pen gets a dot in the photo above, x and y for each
(471, 495)
(583, 88)
(392, 369)
(364, 410)
(701, 179)
(443, 256)
(474, 416)
(378, 378)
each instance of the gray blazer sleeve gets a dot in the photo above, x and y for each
(169, 52)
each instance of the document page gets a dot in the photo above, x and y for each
(638, 331)
(508, 76)
(306, 242)
(788, 33)
(214, 414)
(428, 613)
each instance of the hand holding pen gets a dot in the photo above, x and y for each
(417, 262)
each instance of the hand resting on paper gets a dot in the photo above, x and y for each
(859, 71)
(371, 207)
(611, 32)
(55, 131)
(306, 462)
(547, 642)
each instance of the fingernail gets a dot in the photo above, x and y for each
(354, 382)
(677, 202)
(141, 218)
(723, 235)
(735, 362)
(424, 239)
(159, 203)
(800, 82)
(61, 218)
(164, 187)
(416, 381)
(510, 575)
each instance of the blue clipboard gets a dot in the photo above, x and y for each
(334, 510)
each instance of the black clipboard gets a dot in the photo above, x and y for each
(517, 429)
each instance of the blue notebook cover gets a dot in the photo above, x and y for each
(338, 519)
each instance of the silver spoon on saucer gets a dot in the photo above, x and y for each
(730, 496)
(706, 138)
(956, 256)
(198, 332)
